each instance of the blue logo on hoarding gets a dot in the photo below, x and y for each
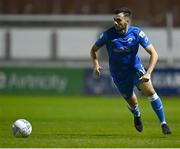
(102, 85)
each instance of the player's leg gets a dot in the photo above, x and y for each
(134, 108)
(133, 105)
(156, 103)
(148, 90)
(126, 90)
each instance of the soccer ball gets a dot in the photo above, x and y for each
(21, 128)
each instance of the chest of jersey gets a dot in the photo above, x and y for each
(123, 44)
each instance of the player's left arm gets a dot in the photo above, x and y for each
(152, 62)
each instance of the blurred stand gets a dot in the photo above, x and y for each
(53, 31)
(68, 39)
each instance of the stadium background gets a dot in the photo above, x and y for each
(56, 36)
(44, 51)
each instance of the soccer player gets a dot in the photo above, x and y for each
(122, 43)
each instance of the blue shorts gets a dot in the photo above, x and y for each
(130, 80)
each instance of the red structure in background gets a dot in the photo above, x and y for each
(152, 12)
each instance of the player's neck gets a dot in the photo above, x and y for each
(123, 31)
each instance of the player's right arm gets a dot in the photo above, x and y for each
(96, 66)
(99, 43)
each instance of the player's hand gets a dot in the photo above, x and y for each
(146, 77)
(97, 70)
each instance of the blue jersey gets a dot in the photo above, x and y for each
(122, 49)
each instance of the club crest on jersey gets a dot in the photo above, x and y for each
(130, 40)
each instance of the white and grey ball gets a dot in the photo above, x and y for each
(21, 128)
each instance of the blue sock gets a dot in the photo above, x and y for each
(157, 107)
(135, 111)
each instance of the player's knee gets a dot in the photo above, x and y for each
(153, 97)
(147, 89)
(132, 101)
(133, 104)
(149, 92)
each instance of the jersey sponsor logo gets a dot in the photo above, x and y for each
(121, 50)
(114, 40)
(129, 40)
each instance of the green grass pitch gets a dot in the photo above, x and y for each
(86, 122)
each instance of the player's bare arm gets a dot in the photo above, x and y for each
(152, 62)
(96, 66)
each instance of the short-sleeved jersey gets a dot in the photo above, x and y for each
(122, 49)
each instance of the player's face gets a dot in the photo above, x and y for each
(120, 22)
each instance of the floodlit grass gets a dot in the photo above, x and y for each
(86, 122)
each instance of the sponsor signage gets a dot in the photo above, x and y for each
(167, 81)
(102, 85)
(62, 81)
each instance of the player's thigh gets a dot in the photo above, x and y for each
(147, 88)
(126, 88)
(127, 91)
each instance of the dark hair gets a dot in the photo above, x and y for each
(126, 11)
